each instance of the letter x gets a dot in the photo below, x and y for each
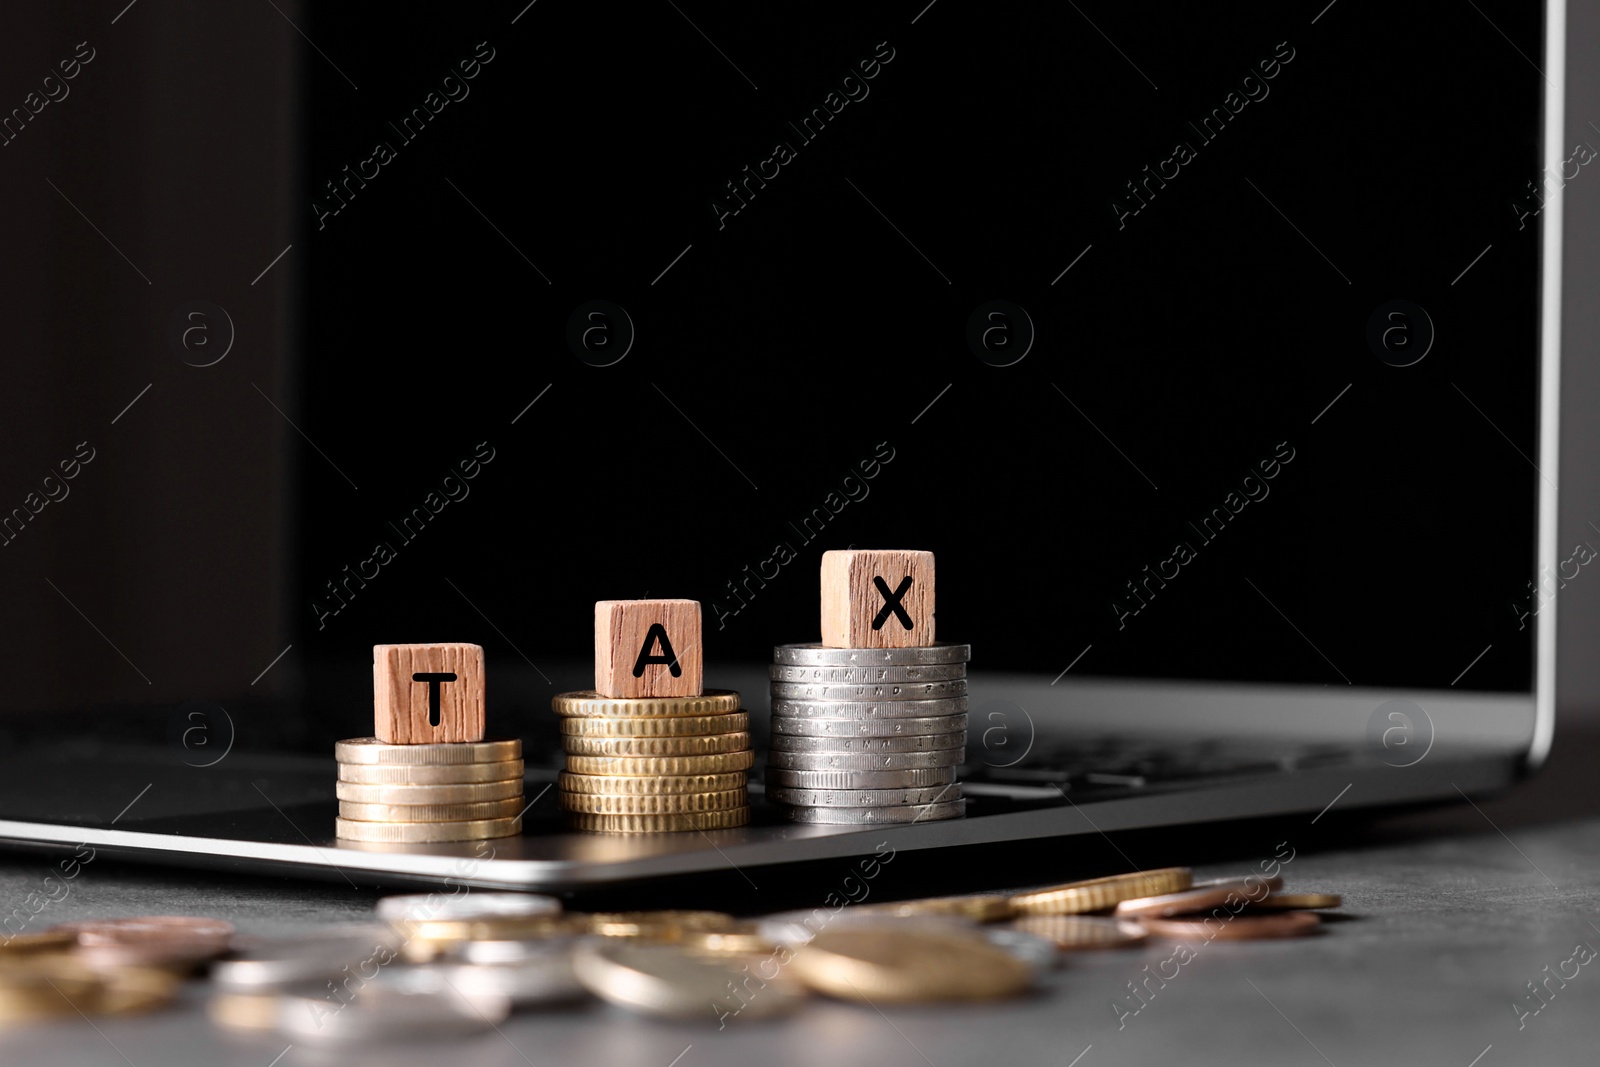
(433, 681)
(891, 602)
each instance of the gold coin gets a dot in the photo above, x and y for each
(47, 985)
(1296, 901)
(1072, 932)
(618, 786)
(907, 964)
(662, 804)
(251, 1013)
(368, 750)
(645, 766)
(660, 925)
(590, 703)
(460, 793)
(727, 944)
(661, 726)
(130, 990)
(712, 745)
(1098, 894)
(440, 774)
(429, 938)
(659, 824)
(984, 908)
(416, 813)
(33, 944)
(408, 832)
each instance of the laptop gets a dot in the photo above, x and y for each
(1213, 353)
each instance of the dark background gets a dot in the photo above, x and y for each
(827, 317)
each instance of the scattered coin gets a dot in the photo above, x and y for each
(408, 1005)
(1099, 894)
(249, 1013)
(538, 978)
(285, 962)
(667, 981)
(660, 925)
(1297, 901)
(177, 941)
(420, 907)
(1242, 927)
(901, 964)
(1199, 898)
(980, 908)
(454, 793)
(1073, 932)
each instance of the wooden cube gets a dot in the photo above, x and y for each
(427, 694)
(647, 648)
(877, 599)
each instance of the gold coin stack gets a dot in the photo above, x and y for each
(639, 765)
(402, 794)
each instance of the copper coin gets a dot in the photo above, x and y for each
(1297, 901)
(1237, 927)
(175, 941)
(1203, 896)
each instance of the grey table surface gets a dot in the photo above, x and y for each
(1453, 911)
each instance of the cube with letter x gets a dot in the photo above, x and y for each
(647, 648)
(877, 599)
(428, 693)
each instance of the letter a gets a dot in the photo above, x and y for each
(657, 633)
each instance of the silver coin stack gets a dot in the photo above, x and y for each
(867, 735)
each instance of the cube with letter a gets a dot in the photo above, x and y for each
(647, 648)
(427, 694)
(877, 599)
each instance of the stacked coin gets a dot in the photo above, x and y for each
(655, 764)
(394, 794)
(867, 735)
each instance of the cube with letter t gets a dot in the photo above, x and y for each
(647, 648)
(427, 694)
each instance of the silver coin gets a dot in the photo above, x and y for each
(906, 779)
(664, 980)
(796, 928)
(517, 951)
(864, 761)
(867, 675)
(463, 906)
(814, 655)
(835, 746)
(869, 692)
(328, 953)
(406, 1005)
(812, 708)
(1040, 954)
(876, 816)
(935, 724)
(541, 978)
(863, 798)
